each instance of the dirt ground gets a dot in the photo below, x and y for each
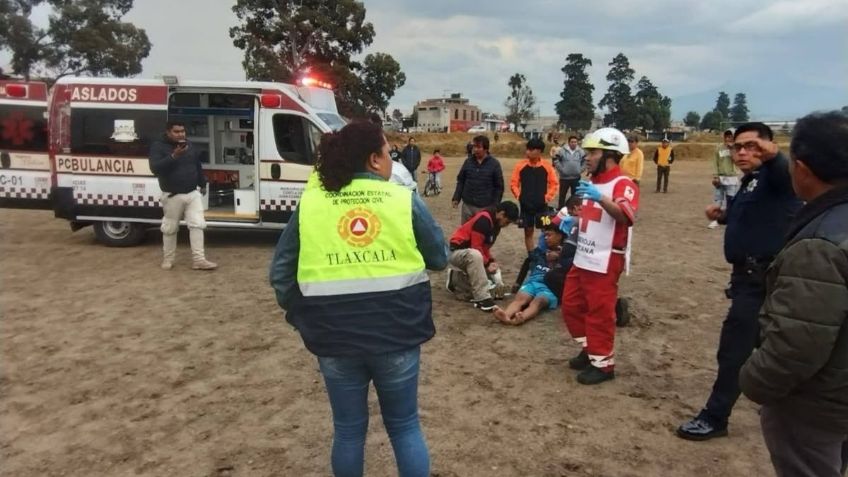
(112, 367)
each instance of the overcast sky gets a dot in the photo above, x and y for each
(789, 57)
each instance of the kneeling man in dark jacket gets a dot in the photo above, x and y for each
(800, 371)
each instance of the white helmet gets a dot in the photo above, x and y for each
(610, 139)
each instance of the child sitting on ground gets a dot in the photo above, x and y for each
(534, 296)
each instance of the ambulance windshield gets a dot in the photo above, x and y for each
(333, 120)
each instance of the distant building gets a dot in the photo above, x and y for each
(493, 123)
(447, 114)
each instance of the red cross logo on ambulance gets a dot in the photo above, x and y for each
(359, 227)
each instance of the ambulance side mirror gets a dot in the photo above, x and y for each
(248, 140)
(5, 160)
(275, 171)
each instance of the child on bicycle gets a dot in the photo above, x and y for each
(435, 166)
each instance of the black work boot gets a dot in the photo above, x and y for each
(579, 362)
(594, 375)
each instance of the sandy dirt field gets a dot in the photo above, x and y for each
(112, 367)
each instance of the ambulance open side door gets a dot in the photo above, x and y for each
(288, 148)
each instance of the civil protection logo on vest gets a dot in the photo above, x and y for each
(359, 227)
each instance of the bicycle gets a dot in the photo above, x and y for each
(431, 188)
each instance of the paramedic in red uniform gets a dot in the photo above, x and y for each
(176, 163)
(609, 207)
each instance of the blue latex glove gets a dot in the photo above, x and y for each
(566, 224)
(587, 190)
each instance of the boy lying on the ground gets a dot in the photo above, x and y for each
(534, 296)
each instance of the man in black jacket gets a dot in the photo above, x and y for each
(411, 158)
(176, 163)
(480, 182)
(757, 220)
(800, 371)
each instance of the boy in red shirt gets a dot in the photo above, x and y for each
(435, 166)
(589, 299)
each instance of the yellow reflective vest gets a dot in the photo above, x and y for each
(357, 240)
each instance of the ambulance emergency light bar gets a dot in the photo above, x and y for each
(309, 81)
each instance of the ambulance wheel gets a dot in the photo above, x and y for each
(119, 234)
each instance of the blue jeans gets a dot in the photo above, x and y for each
(395, 377)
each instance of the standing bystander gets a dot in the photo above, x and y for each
(534, 183)
(633, 164)
(569, 163)
(411, 158)
(800, 371)
(725, 179)
(757, 220)
(663, 158)
(480, 182)
(176, 163)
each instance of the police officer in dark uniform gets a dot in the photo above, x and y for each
(757, 221)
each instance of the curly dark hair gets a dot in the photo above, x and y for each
(343, 153)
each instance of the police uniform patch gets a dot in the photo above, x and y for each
(359, 227)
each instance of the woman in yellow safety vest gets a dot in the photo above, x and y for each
(350, 272)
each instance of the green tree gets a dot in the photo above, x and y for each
(520, 102)
(381, 77)
(692, 119)
(82, 37)
(739, 111)
(284, 40)
(712, 121)
(619, 100)
(723, 105)
(397, 115)
(576, 109)
(653, 110)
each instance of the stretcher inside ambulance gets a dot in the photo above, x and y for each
(258, 144)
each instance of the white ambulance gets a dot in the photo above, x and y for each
(24, 162)
(258, 140)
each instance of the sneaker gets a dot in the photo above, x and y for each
(713, 225)
(204, 265)
(700, 430)
(486, 304)
(593, 375)
(579, 362)
(449, 282)
(167, 265)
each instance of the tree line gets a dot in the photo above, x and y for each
(282, 41)
(722, 116)
(628, 106)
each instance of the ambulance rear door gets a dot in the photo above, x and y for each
(24, 159)
(289, 134)
(102, 131)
